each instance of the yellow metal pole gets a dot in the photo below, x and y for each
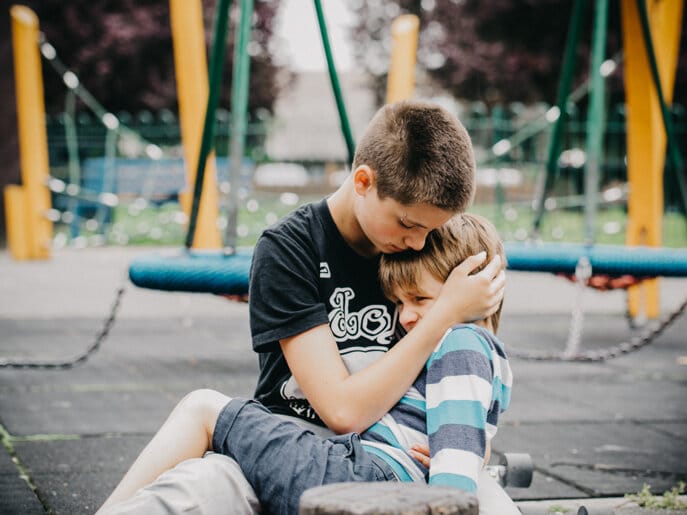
(190, 63)
(15, 215)
(33, 141)
(646, 138)
(404, 36)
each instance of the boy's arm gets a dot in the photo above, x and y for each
(352, 402)
(459, 395)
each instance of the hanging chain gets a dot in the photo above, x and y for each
(583, 271)
(77, 360)
(620, 349)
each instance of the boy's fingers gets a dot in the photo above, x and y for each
(421, 454)
(472, 262)
(494, 304)
(499, 282)
(423, 449)
(499, 297)
(493, 268)
(421, 458)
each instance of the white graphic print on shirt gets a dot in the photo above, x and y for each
(325, 272)
(373, 322)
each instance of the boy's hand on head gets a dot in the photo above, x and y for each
(468, 297)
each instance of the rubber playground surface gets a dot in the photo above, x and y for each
(595, 431)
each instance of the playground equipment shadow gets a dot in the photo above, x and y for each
(595, 431)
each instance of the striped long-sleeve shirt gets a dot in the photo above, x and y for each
(453, 406)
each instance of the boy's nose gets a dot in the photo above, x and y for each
(408, 317)
(415, 242)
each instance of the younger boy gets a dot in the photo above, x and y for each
(452, 407)
(455, 402)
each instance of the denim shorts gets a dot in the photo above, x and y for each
(281, 460)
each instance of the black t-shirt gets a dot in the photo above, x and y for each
(304, 275)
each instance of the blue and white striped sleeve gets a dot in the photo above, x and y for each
(460, 394)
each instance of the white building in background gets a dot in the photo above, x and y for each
(307, 127)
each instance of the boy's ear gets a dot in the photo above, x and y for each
(363, 179)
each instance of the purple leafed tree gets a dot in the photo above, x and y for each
(121, 50)
(495, 51)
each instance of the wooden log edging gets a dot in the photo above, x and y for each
(387, 498)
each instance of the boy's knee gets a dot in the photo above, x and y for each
(203, 396)
(204, 402)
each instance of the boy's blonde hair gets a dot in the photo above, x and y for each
(420, 154)
(462, 236)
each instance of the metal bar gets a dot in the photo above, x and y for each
(345, 126)
(400, 83)
(33, 139)
(239, 109)
(673, 147)
(74, 166)
(573, 38)
(596, 120)
(207, 143)
(191, 70)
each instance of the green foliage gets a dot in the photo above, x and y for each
(555, 509)
(122, 52)
(670, 500)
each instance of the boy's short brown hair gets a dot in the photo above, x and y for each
(462, 236)
(420, 154)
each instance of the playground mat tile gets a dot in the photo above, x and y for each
(534, 403)
(545, 487)
(76, 476)
(676, 429)
(93, 413)
(603, 400)
(15, 495)
(601, 458)
(42, 338)
(100, 408)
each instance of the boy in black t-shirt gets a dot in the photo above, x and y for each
(327, 339)
(317, 313)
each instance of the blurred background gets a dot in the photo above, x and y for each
(114, 139)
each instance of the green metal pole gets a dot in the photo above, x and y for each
(555, 144)
(71, 138)
(239, 110)
(207, 143)
(109, 177)
(596, 120)
(345, 126)
(675, 157)
(498, 120)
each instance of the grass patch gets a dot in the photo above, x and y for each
(670, 500)
(139, 223)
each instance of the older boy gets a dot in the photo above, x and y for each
(453, 405)
(323, 329)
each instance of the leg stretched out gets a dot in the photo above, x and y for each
(187, 433)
